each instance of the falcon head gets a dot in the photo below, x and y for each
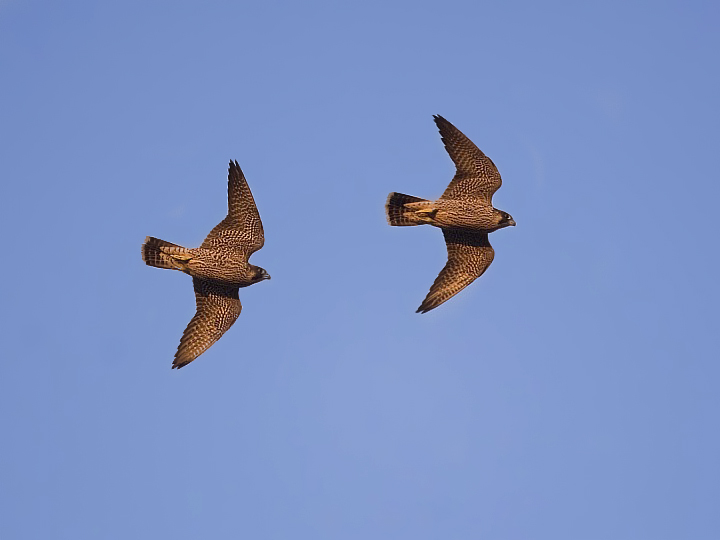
(504, 219)
(259, 274)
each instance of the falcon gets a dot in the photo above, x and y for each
(219, 268)
(464, 212)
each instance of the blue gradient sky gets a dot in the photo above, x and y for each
(571, 393)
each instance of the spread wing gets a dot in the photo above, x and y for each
(218, 307)
(469, 255)
(476, 175)
(242, 228)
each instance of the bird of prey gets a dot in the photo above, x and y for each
(219, 267)
(464, 212)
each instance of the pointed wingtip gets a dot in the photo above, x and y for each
(444, 126)
(180, 361)
(235, 170)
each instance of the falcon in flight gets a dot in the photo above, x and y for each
(464, 213)
(219, 267)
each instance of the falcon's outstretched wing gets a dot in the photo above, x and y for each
(469, 255)
(476, 176)
(218, 307)
(242, 228)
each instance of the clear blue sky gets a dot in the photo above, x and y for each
(569, 394)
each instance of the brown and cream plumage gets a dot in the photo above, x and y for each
(464, 212)
(219, 267)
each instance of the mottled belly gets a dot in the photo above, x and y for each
(465, 216)
(220, 267)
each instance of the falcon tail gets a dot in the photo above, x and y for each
(397, 214)
(162, 254)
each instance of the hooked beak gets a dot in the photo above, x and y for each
(266, 276)
(511, 222)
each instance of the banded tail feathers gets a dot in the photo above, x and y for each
(397, 214)
(162, 254)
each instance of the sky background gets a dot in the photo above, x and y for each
(570, 393)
